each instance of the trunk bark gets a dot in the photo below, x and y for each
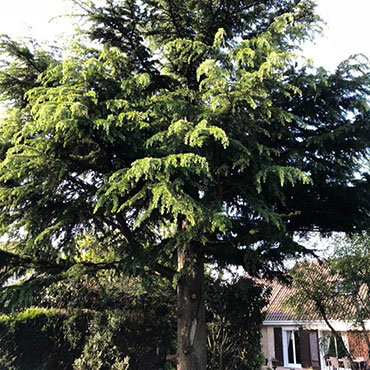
(191, 322)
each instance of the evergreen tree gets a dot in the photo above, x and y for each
(185, 133)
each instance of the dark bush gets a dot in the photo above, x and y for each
(103, 326)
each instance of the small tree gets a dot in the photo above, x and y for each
(352, 265)
(315, 283)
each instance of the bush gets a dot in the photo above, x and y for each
(116, 326)
(34, 339)
(86, 326)
(234, 324)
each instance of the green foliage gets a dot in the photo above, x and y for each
(116, 324)
(172, 124)
(351, 260)
(85, 325)
(234, 324)
(202, 117)
(34, 339)
(351, 263)
(344, 281)
(317, 294)
(98, 352)
(149, 129)
(317, 283)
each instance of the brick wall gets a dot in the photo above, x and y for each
(357, 344)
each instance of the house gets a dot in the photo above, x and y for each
(302, 338)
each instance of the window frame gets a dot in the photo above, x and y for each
(287, 364)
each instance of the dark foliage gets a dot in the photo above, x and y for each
(89, 326)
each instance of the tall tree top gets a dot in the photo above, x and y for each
(181, 122)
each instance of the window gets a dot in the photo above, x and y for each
(331, 347)
(292, 350)
(296, 347)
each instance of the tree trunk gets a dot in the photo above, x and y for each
(335, 333)
(191, 323)
(360, 316)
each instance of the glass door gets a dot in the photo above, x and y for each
(292, 353)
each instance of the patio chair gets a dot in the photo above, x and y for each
(334, 363)
(327, 363)
(346, 363)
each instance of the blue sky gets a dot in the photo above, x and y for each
(347, 31)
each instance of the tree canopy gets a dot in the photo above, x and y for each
(178, 132)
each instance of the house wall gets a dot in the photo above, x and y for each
(357, 344)
(268, 344)
(354, 340)
(268, 340)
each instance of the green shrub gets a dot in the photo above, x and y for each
(34, 340)
(117, 326)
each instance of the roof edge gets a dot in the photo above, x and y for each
(317, 324)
